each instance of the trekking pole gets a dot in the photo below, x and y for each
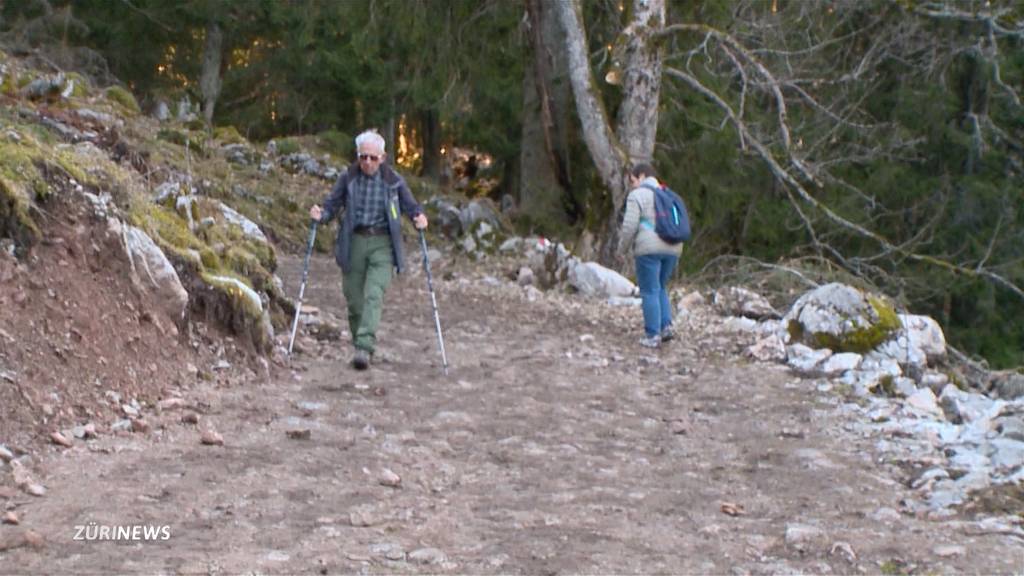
(433, 301)
(302, 287)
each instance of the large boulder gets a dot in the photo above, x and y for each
(447, 218)
(479, 210)
(925, 334)
(842, 319)
(592, 279)
(152, 271)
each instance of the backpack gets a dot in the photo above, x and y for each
(671, 222)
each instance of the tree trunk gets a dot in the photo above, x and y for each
(543, 162)
(638, 53)
(430, 127)
(209, 79)
(641, 61)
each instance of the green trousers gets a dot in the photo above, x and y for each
(364, 287)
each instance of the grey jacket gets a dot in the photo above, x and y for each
(400, 200)
(638, 224)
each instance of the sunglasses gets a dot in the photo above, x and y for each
(369, 157)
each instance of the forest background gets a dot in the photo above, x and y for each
(877, 141)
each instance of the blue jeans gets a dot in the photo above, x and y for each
(652, 274)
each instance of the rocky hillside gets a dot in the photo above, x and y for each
(131, 263)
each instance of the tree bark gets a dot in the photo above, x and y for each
(430, 128)
(544, 177)
(210, 78)
(641, 60)
(612, 151)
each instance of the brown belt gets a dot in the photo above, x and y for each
(372, 230)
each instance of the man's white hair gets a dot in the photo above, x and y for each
(370, 137)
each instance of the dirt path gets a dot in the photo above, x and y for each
(555, 446)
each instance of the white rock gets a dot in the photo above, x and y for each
(901, 350)
(923, 403)
(804, 537)
(925, 334)
(768, 349)
(511, 245)
(739, 301)
(740, 324)
(949, 551)
(185, 206)
(248, 293)
(805, 359)
(691, 300)
(389, 478)
(1006, 454)
(592, 279)
(885, 515)
(839, 363)
(427, 556)
(249, 228)
(934, 380)
(625, 301)
(533, 294)
(525, 276)
(967, 407)
(149, 263)
(905, 386)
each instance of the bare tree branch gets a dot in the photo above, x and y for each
(792, 184)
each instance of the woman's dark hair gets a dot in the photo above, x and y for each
(643, 170)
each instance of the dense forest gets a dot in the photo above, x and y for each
(876, 140)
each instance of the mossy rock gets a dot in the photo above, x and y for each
(863, 340)
(168, 230)
(9, 87)
(15, 222)
(25, 79)
(842, 319)
(82, 87)
(196, 143)
(124, 98)
(228, 135)
(238, 306)
(487, 236)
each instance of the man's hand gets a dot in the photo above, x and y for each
(420, 221)
(315, 213)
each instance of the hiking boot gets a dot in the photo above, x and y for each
(667, 334)
(650, 341)
(361, 360)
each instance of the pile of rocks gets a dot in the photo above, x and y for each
(959, 435)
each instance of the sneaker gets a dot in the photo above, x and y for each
(361, 360)
(650, 341)
(667, 334)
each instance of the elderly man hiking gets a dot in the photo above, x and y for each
(371, 195)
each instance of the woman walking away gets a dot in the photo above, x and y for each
(655, 258)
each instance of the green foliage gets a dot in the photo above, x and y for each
(337, 143)
(286, 146)
(123, 98)
(15, 222)
(82, 87)
(195, 142)
(228, 135)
